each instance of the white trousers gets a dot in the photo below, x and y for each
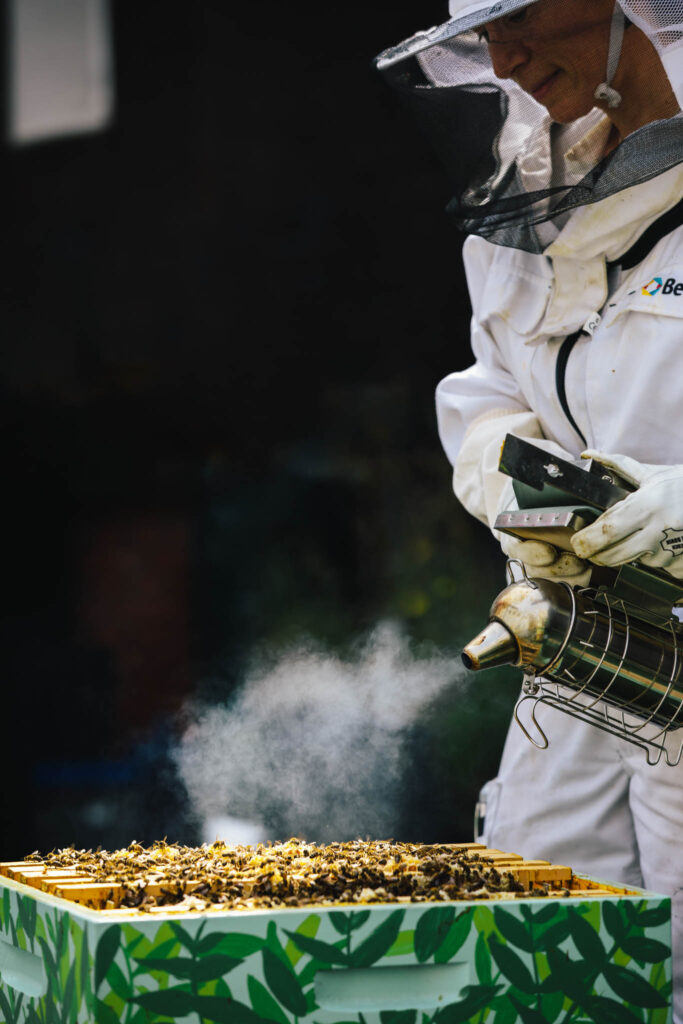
(590, 800)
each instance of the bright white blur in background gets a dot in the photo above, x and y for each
(60, 68)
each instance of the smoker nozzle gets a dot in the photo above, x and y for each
(495, 645)
(598, 644)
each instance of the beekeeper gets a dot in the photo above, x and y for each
(561, 121)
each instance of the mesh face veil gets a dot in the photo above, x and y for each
(537, 107)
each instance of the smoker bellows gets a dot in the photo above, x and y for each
(611, 653)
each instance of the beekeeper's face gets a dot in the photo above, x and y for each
(556, 50)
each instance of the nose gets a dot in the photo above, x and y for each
(507, 56)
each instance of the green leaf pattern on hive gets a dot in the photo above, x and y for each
(532, 962)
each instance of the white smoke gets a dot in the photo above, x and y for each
(314, 745)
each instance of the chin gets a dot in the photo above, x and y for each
(564, 113)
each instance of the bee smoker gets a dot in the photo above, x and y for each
(610, 653)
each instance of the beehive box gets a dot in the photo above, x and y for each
(578, 951)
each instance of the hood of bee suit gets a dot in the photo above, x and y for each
(662, 23)
(515, 173)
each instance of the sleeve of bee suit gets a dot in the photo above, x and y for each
(477, 407)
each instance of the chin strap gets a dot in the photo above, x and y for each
(604, 92)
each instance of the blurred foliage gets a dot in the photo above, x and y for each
(231, 309)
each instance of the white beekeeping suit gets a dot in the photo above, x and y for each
(574, 266)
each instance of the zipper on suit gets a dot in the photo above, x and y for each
(561, 374)
(663, 226)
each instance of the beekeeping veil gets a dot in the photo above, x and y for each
(515, 171)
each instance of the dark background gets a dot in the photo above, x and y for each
(224, 318)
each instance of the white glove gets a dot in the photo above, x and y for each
(485, 492)
(646, 526)
(542, 561)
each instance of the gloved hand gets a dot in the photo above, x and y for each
(542, 561)
(646, 526)
(485, 492)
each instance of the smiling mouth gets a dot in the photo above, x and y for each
(540, 91)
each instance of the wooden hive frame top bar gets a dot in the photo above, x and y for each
(169, 877)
